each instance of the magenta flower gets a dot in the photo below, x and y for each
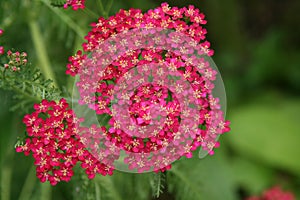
(75, 4)
(150, 74)
(1, 47)
(274, 193)
(1, 50)
(54, 141)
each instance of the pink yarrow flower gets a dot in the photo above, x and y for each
(55, 144)
(274, 193)
(75, 4)
(97, 93)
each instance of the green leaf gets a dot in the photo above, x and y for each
(253, 177)
(269, 133)
(210, 178)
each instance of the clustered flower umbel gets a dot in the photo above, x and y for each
(16, 60)
(57, 141)
(1, 47)
(187, 21)
(274, 193)
(53, 139)
(75, 4)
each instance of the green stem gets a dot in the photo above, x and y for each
(6, 175)
(46, 191)
(29, 184)
(97, 191)
(41, 51)
(90, 13)
(103, 13)
(108, 7)
(65, 18)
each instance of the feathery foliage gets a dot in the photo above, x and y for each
(57, 3)
(158, 182)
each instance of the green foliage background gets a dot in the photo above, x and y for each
(257, 50)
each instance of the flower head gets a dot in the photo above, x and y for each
(54, 141)
(160, 120)
(274, 193)
(16, 61)
(75, 4)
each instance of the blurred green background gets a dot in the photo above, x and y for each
(257, 50)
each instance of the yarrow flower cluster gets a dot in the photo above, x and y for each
(1, 47)
(184, 20)
(75, 4)
(16, 61)
(274, 193)
(126, 49)
(149, 75)
(53, 139)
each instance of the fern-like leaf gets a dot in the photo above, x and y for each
(158, 184)
(29, 86)
(57, 3)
